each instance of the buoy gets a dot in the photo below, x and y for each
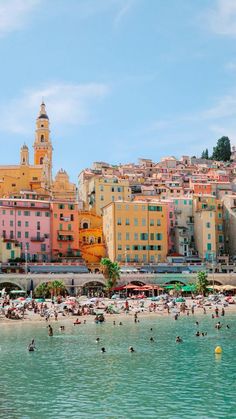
(218, 350)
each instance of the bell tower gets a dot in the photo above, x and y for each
(42, 143)
(24, 155)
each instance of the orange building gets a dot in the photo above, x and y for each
(65, 230)
(91, 243)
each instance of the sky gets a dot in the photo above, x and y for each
(121, 79)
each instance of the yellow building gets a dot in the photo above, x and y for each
(9, 249)
(62, 188)
(136, 231)
(208, 226)
(91, 242)
(37, 177)
(97, 191)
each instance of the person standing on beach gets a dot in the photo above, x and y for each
(50, 330)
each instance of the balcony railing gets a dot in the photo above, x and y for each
(37, 239)
(65, 238)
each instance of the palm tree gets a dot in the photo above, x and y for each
(111, 272)
(202, 283)
(56, 288)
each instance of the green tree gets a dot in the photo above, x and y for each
(42, 290)
(56, 288)
(222, 151)
(177, 289)
(202, 283)
(111, 272)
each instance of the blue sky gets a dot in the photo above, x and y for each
(121, 79)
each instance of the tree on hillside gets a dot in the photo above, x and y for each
(205, 154)
(202, 283)
(222, 151)
(111, 272)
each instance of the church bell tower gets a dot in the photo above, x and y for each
(42, 144)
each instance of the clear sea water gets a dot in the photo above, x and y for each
(68, 377)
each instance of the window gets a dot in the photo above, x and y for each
(219, 215)
(11, 212)
(26, 234)
(152, 222)
(136, 222)
(119, 236)
(26, 213)
(220, 227)
(26, 223)
(127, 223)
(60, 227)
(154, 208)
(71, 207)
(19, 223)
(143, 236)
(136, 258)
(209, 236)
(19, 212)
(152, 258)
(144, 258)
(11, 234)
(126, 236)
(185, 202)
(61, 206)
(43, 247)
(127, 207)
(135, 236)
(113, 198)
(101, 188)
(119, 258)
(4, 212)
(143, 222)
(158, 222)
(119, 247)
(119, 221)
(8, 246)
(158, 236)
(208, 246)
(171, 214)
(69, 227)
(208, 225)
(159, 247)
(127, 247)
(38, 225)
(47, 214)
(18, 234)
(221, 239)
(151, 236)
(101, 198)
(11, 223)
(38, 214)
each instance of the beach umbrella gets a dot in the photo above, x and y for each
(228, 287)
(189, 288)
(180, 300)
(130, 287)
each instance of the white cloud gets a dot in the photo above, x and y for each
(14, 14)
(222, 19)
(66, 104)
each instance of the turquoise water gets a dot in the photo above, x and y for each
(68, 376)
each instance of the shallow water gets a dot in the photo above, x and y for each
(68, 376)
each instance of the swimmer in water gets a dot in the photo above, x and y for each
(227, 326)
(151, 339)
(31, 346)
(197, 324)
(120, 324)
(131, 349)
(178, 339)
(114, 323)
(50, 330)
(151, 329)
(62, 328)
(103, 350)
(197, 333)
(97, 340)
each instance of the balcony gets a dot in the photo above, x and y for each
(65, 238)
(37, 239)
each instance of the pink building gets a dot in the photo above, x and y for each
(28, 222)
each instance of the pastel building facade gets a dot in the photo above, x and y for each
(64, 230)
(208, 227)
(26, 222)
(136, 231)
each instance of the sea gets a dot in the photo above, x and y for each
(67, 376)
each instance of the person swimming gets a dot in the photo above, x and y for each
(62, 328)
(103, 350)
(197, 333)
(227, 326)
(178, 339)
(31, 346)
(77, 321)
(131, 349)
(120, 324)
(151, 339)
(197, 323)
(97, 340)
(50, 330)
